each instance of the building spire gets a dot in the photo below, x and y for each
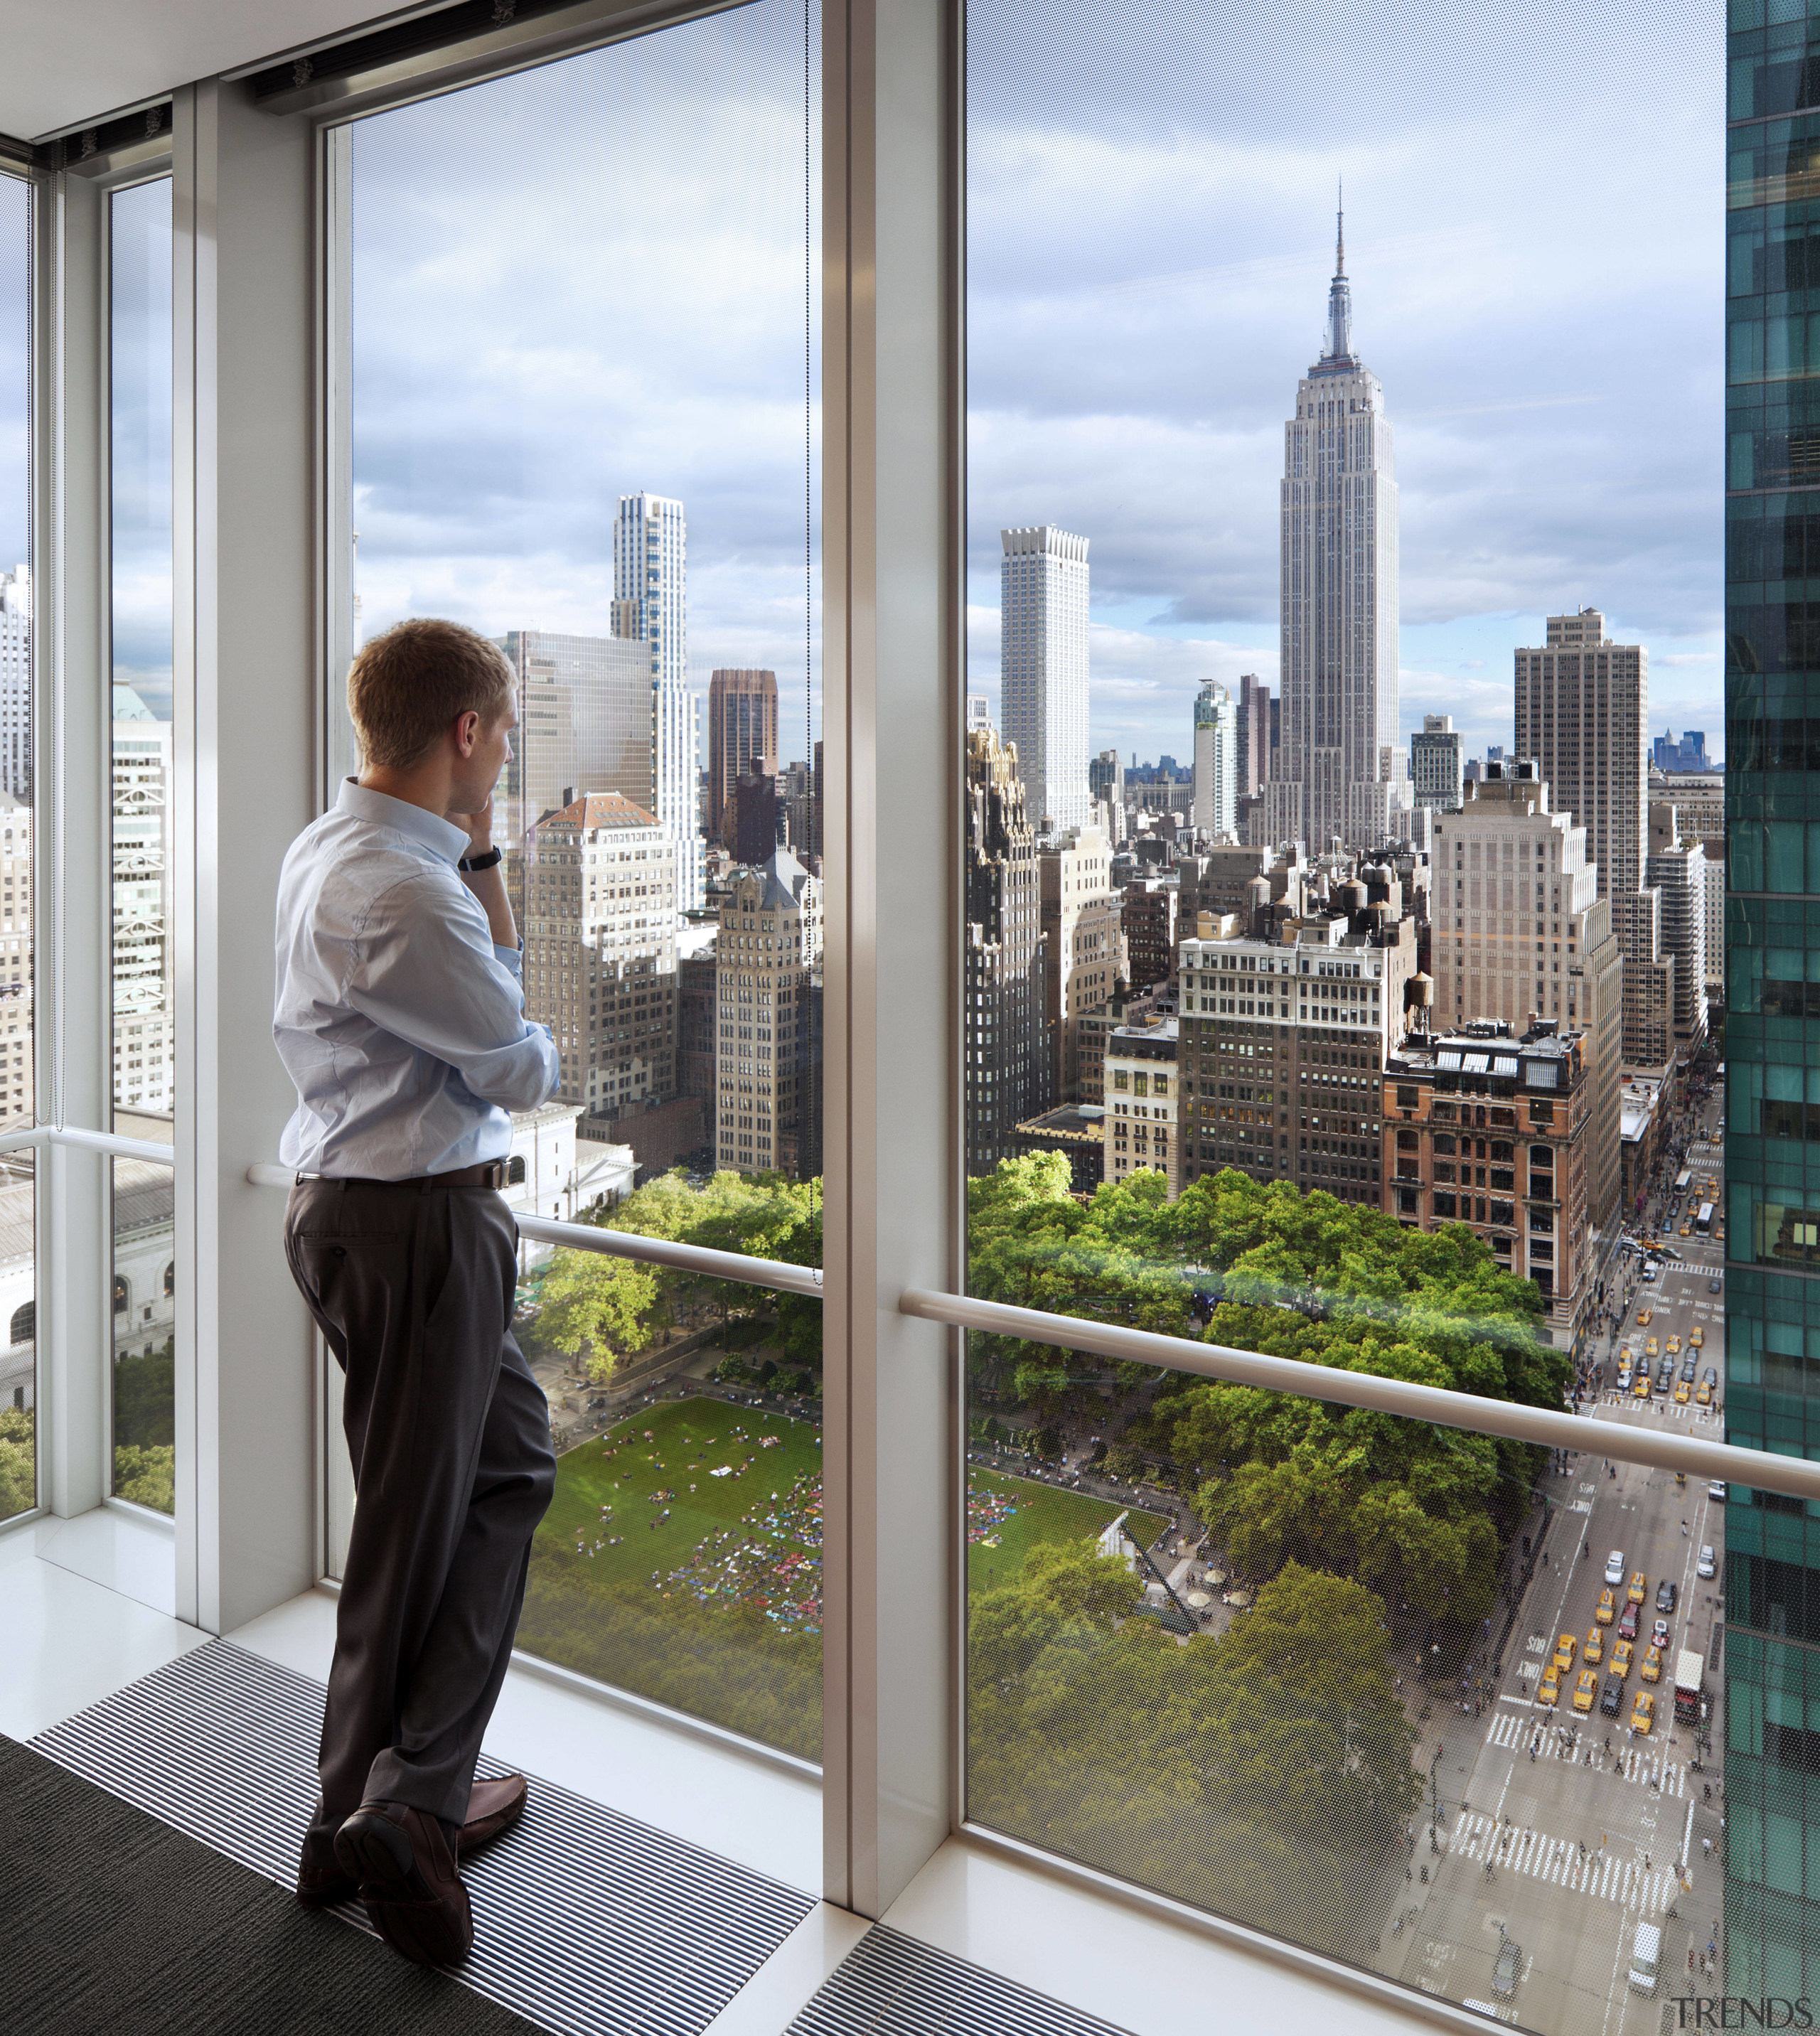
(1338, 350)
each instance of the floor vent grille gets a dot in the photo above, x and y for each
(586, 1921)
(892, 1985)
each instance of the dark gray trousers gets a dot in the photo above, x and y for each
(449, 1434)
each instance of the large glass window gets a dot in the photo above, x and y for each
(1335, 965)
(18, 1253)
(584, 421)
(143, 1308)
(143, 1045)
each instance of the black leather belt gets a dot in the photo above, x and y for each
(488, 1174)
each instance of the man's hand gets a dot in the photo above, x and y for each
(479, 825)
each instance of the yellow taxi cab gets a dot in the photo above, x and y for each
(1703, 1393)
(1586, 1690)
(1643, 1712)
(1687, 1229)
(1594, 1645)
(1650, 1667)
(1564, 1653)
(1607, 1608)
(1639, 1587)
(1653, 1348)
(1645, 1318)
(1682, 1391)
(1621, 1659)
(1639, 1390)
(1549, 1693)
(1696, 1336)
(1674, 1346)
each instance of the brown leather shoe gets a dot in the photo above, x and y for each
(493, 1808)
(415, 1897)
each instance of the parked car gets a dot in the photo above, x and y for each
(1614, 1566)
(1666, 1593)
(1612, 1701)
(1708, 1565)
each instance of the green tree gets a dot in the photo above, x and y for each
(18, 1461)
(597, 1308)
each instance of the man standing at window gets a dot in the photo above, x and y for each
(400, 1016)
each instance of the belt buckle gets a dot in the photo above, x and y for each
(495, 1173)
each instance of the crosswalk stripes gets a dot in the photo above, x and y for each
(1633, 1762)
(1611, 1877)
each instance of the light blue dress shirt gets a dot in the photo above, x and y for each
(400, 1020)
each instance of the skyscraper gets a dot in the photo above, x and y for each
(1042, 661)
(1253, 721)
(1338, 771)
(742, 737)
(650, 605)
(16, 681)
(1083, 949)
(1215, 763)
(768, 961)
(1678, 869)
(1436, 775)
(601, 950)
(1582, 706)
(144, 970)
(1521, 933)
(1006, 1065)
(1771, 1573)
(584, 721)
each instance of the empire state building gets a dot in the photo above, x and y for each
(1339, 771)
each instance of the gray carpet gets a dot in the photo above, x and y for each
(117, 1925)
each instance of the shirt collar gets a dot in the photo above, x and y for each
(383, 810)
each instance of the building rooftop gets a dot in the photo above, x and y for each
(1085, 1120)
(598, 809)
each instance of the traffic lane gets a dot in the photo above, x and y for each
(1574, 1909)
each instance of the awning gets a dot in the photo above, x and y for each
(1476, 1063)
(1448, 1061)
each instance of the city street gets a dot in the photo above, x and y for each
(1585, 1824)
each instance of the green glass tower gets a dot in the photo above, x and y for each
(1771, 1658)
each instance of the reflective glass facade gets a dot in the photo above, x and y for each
(1772, 1662)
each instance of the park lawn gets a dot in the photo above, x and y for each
(1044, 1514)
(691, 1438)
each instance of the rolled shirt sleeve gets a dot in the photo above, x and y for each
(429, 972)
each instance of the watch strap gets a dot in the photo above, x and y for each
(493, 856)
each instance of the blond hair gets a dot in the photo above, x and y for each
(407, 686)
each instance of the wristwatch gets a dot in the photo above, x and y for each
(493, 856)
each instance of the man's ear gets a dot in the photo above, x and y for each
(467, 732)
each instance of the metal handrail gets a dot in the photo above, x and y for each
(1763, 1470)
(106, 1142)
(771, 1273)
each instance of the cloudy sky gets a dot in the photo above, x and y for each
(589, 280)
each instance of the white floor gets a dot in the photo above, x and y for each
(68, 1639)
